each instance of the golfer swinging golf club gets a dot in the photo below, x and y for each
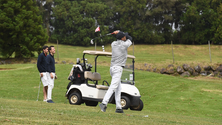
(119, 57)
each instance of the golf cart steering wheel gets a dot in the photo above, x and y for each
(104, 81)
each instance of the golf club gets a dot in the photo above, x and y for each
(39, 89)
(100, 37)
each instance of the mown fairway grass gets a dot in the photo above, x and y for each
(167, 99)
(155, 56)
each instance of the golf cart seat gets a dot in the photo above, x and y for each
(94, 76)
(102, 87)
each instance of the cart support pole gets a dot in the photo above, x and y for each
(95, 66)
(133, 66)
(133, 72)
(133, 48)
(84, 62)
(96, 62)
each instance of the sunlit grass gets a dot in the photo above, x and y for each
(167, 99)
(154, 56)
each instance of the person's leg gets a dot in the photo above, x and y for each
(116, 73)
(50, 86)
(109, 92)
(118, 93)
(118, 97)
(45, 86)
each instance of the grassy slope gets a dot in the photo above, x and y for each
(167, 99)
(154, 55)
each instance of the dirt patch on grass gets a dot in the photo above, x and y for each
(6, 69)
(208, 90)
(204, 78)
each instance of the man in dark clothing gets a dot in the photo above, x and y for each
(42, 67)
(50, 72)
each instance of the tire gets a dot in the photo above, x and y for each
(91, 103)
(125, 102)
(139, 107)
(75, 99)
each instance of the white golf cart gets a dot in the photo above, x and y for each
(84, 87)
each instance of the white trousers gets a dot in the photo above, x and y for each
(50, 85)
(44, 79)
(116, 73)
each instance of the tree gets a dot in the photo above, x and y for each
(165, 15)
(202, 22)
(75, 21)
(217, 24)
(147, 21)
(45, 8)
(130, 16)
(21, 30)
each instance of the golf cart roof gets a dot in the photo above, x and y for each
(101, 53)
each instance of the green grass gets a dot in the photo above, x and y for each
(167, 100)
(155, 56)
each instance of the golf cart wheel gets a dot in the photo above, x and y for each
(91, 103)
(137, 108)
(75, 99)
(125, 102)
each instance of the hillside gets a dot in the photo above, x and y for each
(167, 99)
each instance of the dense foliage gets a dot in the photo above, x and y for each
(147, 21)
(21, 30)
(74, 22)
(202, 22)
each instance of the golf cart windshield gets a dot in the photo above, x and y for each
(128, 70)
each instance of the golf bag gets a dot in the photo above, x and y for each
(77, 77)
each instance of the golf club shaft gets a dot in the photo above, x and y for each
(103, 36)
(39, 89)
